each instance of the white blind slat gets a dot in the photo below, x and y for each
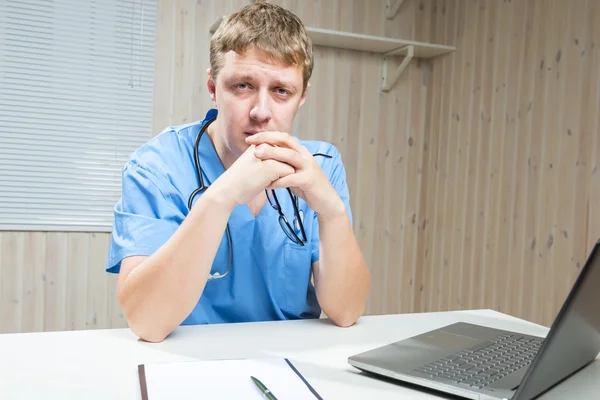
(51, 197)
(32, 179)
(69, 186)
(93, 155)
(39, 8)
(72, 139)
(46, 121)
(75, 107)
(65, 168)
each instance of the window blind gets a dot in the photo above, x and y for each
(76, 94)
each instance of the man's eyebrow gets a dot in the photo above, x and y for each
(280, 83)
(242, 77)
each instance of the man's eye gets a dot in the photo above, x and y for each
(242, 86)
(283, 92)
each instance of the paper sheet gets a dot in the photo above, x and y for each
(224, 379)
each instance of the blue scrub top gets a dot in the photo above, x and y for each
(270, 275)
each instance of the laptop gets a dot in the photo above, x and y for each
(478, 362)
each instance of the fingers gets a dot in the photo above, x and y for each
(282, 154)
(281, 183)
(278, 169)
(280, 139)
(290, 181)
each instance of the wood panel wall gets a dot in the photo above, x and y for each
(513, 171)
(53, 281)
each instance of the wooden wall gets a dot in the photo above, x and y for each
(473, 182)
(512, 169)
(56, 281)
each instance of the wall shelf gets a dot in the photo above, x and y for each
(388, 47)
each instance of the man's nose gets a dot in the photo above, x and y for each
(261, 110)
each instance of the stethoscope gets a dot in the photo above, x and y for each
(274, 203)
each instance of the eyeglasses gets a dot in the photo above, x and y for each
(298, 214)
(283, 221)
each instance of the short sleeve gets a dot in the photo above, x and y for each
(144, 218)
(336, 172)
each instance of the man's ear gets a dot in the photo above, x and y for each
(212, 86)
(304, 94)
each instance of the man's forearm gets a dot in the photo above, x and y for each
(159, 293)
(342, 279)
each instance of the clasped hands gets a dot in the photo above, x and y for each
(306, 181)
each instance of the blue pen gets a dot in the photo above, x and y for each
(263, 389)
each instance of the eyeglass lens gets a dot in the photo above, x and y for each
(283, 221)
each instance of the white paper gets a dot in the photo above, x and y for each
(224, 379)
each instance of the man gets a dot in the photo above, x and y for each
(243, 248)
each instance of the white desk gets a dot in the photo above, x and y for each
(102, 364)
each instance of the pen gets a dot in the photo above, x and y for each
(265, 392)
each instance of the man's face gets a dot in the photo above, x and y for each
(253, 94)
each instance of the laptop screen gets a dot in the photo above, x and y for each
(574, 338)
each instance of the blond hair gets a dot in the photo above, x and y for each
(269, 27)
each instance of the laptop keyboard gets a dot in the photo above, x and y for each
(484, 364)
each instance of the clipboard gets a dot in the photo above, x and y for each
(223, 378)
